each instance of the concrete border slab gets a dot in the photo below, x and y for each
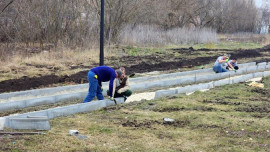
(29, 123)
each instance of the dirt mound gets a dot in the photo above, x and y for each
(267, 47)
(174, 109)
(149, 123)
(133, 64)
(254, 108)
(247, 54)
(136, 124)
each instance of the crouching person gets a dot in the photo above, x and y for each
(233, 64)
(122, 86)
(220, 62)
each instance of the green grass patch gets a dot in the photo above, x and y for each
(228, 118)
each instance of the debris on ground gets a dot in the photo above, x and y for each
(259, 79)
(22, 133)
(189, 93)
(168, 120)
(76, 133)
(256, 84)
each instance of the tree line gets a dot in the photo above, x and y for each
(76, 22)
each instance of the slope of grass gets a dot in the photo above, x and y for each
(229, 118)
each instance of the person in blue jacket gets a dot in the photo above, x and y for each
(98, 75)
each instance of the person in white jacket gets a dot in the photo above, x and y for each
(122, 85)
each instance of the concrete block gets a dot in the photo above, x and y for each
(248, 76)
(83, 94)
(242, 78)
(77, 108)
(209, 77)
(186, 80)
(154, 84)
(202, 86)
(266, 73)
(171, 82)
(163, 93)
(12, 105)
(29, 123)
(138, 86)
(209, 70)
(241, 71)
(69, 96)
(261, 67)
(91, 106)
(223, 75)
(221, 82)
(262, 64)
(267, 66)
(210, 85)
(33, 114)
(190, 88)
(246, 64)
(258, 74)
(2, 123)
(39, 101)
(232, 73)
(63, 111)
(237, 80)
(181, 90)
(251, 69)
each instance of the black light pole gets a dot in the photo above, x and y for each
(101, 56)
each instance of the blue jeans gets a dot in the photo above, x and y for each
(219, 69)
(94, 88)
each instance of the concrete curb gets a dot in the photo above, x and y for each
(46, 91)
(22, 121)
(203, 86)
(139, 86)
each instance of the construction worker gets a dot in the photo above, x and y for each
(233, 63)
(219, 64)
(122, 86)
(98, 75)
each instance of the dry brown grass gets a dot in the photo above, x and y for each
(246, 37)
(43, 63)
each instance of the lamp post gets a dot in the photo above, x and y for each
(101, 56)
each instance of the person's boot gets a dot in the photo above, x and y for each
(125, 98)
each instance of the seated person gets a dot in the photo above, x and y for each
(122, 86)
(218, 66)
(233, 63)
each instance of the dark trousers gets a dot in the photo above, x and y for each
(123, 94)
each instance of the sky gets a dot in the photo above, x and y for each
(258, 3)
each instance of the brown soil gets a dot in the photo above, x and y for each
(175, 109)
(150, 123)
(133, 64)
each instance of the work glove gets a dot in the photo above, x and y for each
(227, 60)
(112, 99)
(234, 70)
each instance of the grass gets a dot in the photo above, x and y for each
(229, 118)
(230, 45)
